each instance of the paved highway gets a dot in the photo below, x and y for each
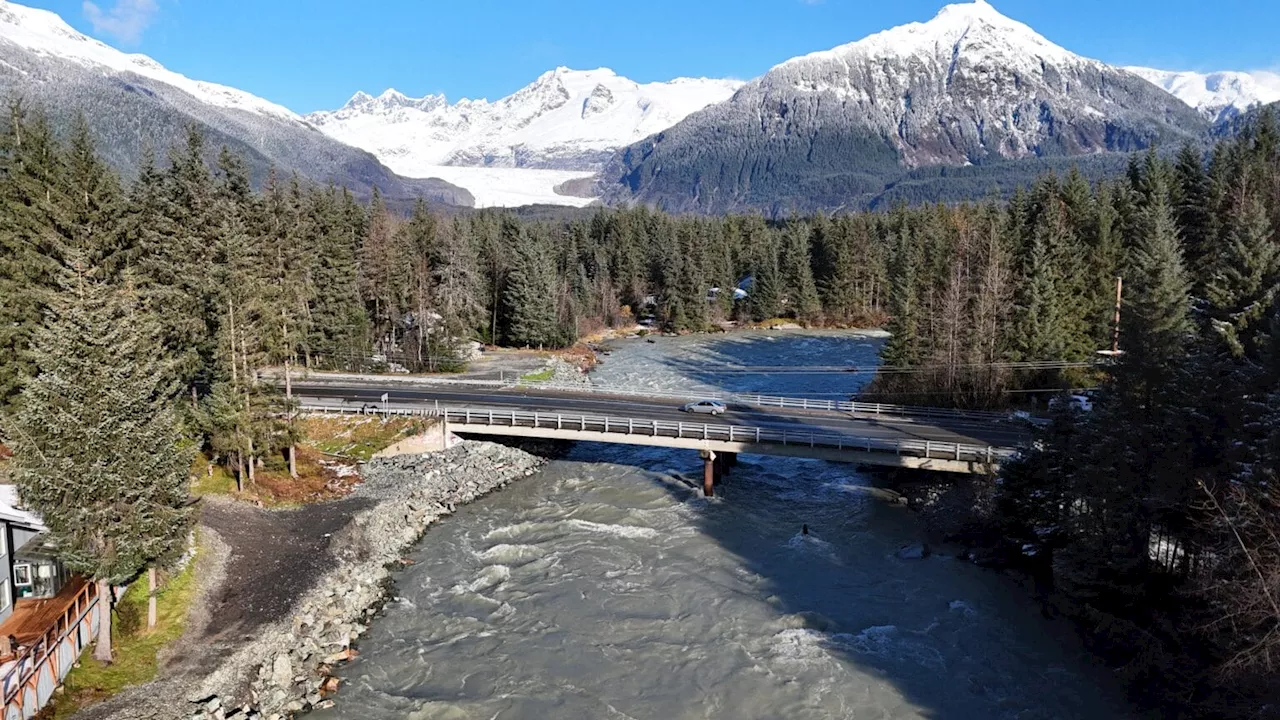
(951, 430)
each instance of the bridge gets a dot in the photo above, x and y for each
(862, 433)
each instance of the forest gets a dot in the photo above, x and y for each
(1155, 514)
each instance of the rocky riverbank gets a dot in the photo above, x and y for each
(283, 666)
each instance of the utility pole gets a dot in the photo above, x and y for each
(1115, 338)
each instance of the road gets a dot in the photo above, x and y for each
(950, 430)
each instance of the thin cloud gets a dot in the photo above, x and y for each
(125, 21)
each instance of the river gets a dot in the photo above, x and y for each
(607, 587)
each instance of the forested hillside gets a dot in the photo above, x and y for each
(1151, 520)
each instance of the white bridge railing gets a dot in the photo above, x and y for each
(754, 400)
(931, 449)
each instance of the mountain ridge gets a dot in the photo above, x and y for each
(969, 87)
(564, 120)
(1218, 95)
(845, 127)
(135, 104)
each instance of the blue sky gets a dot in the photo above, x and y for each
(314, 54)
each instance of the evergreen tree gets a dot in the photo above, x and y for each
(530, 293)
(1038, 335)
(385, 274)
(339, 324)
(1156, 324)
(99, 451)
(95, 205)
(32, 249)
(1193, 203)
(418, 240)
(765, 295)
(797, 276)
(1245, 279)
(903, 347)
(459, 288)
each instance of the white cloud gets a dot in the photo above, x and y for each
(125, 21)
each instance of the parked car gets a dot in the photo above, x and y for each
(1081, 403)
(705, 407)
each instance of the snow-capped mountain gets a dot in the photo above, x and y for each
(45, 33)
(1219, 95)
(970, 86)
(134, 103)
(565, 120)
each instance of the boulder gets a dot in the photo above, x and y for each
(915, 551)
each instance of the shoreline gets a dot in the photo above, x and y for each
(285, 666)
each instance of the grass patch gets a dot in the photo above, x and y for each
(92, 682)
(542, 375)
(210, 478)
(319, 479)
(327, 460)
(358, 438)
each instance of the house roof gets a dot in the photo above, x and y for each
(10, 510)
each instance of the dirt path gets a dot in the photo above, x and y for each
(254, 566)
(276, 556)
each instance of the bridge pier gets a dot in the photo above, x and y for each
(710, 472)
(715, 466)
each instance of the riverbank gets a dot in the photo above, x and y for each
(287, 593)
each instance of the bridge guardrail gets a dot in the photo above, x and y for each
(757, 400)
(790, 402)
(695, 431)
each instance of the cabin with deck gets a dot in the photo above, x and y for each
(47, 615)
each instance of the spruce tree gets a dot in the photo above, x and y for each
(339, 324)
(1193, 203)
(529, 297)
(31, 246)
(95, 204)
(797, 275)
(1039, 332)
(1245, 279)
(99, 451)
(1156, 324)
(765, 298)
(903, 346)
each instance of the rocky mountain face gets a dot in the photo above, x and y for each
(565, 120)
(970, 87)
(1219, 96)
(133, 104)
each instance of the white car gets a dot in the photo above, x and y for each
(705, 407)
(1081, 403)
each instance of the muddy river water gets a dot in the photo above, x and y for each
(607, 587)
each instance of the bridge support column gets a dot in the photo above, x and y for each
(710, 473)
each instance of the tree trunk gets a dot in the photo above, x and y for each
(231, 321)
(151, 597)
(288, 395)
(102, 651)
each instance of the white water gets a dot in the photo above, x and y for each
(607, 587)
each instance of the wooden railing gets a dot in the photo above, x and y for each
(41, 666)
